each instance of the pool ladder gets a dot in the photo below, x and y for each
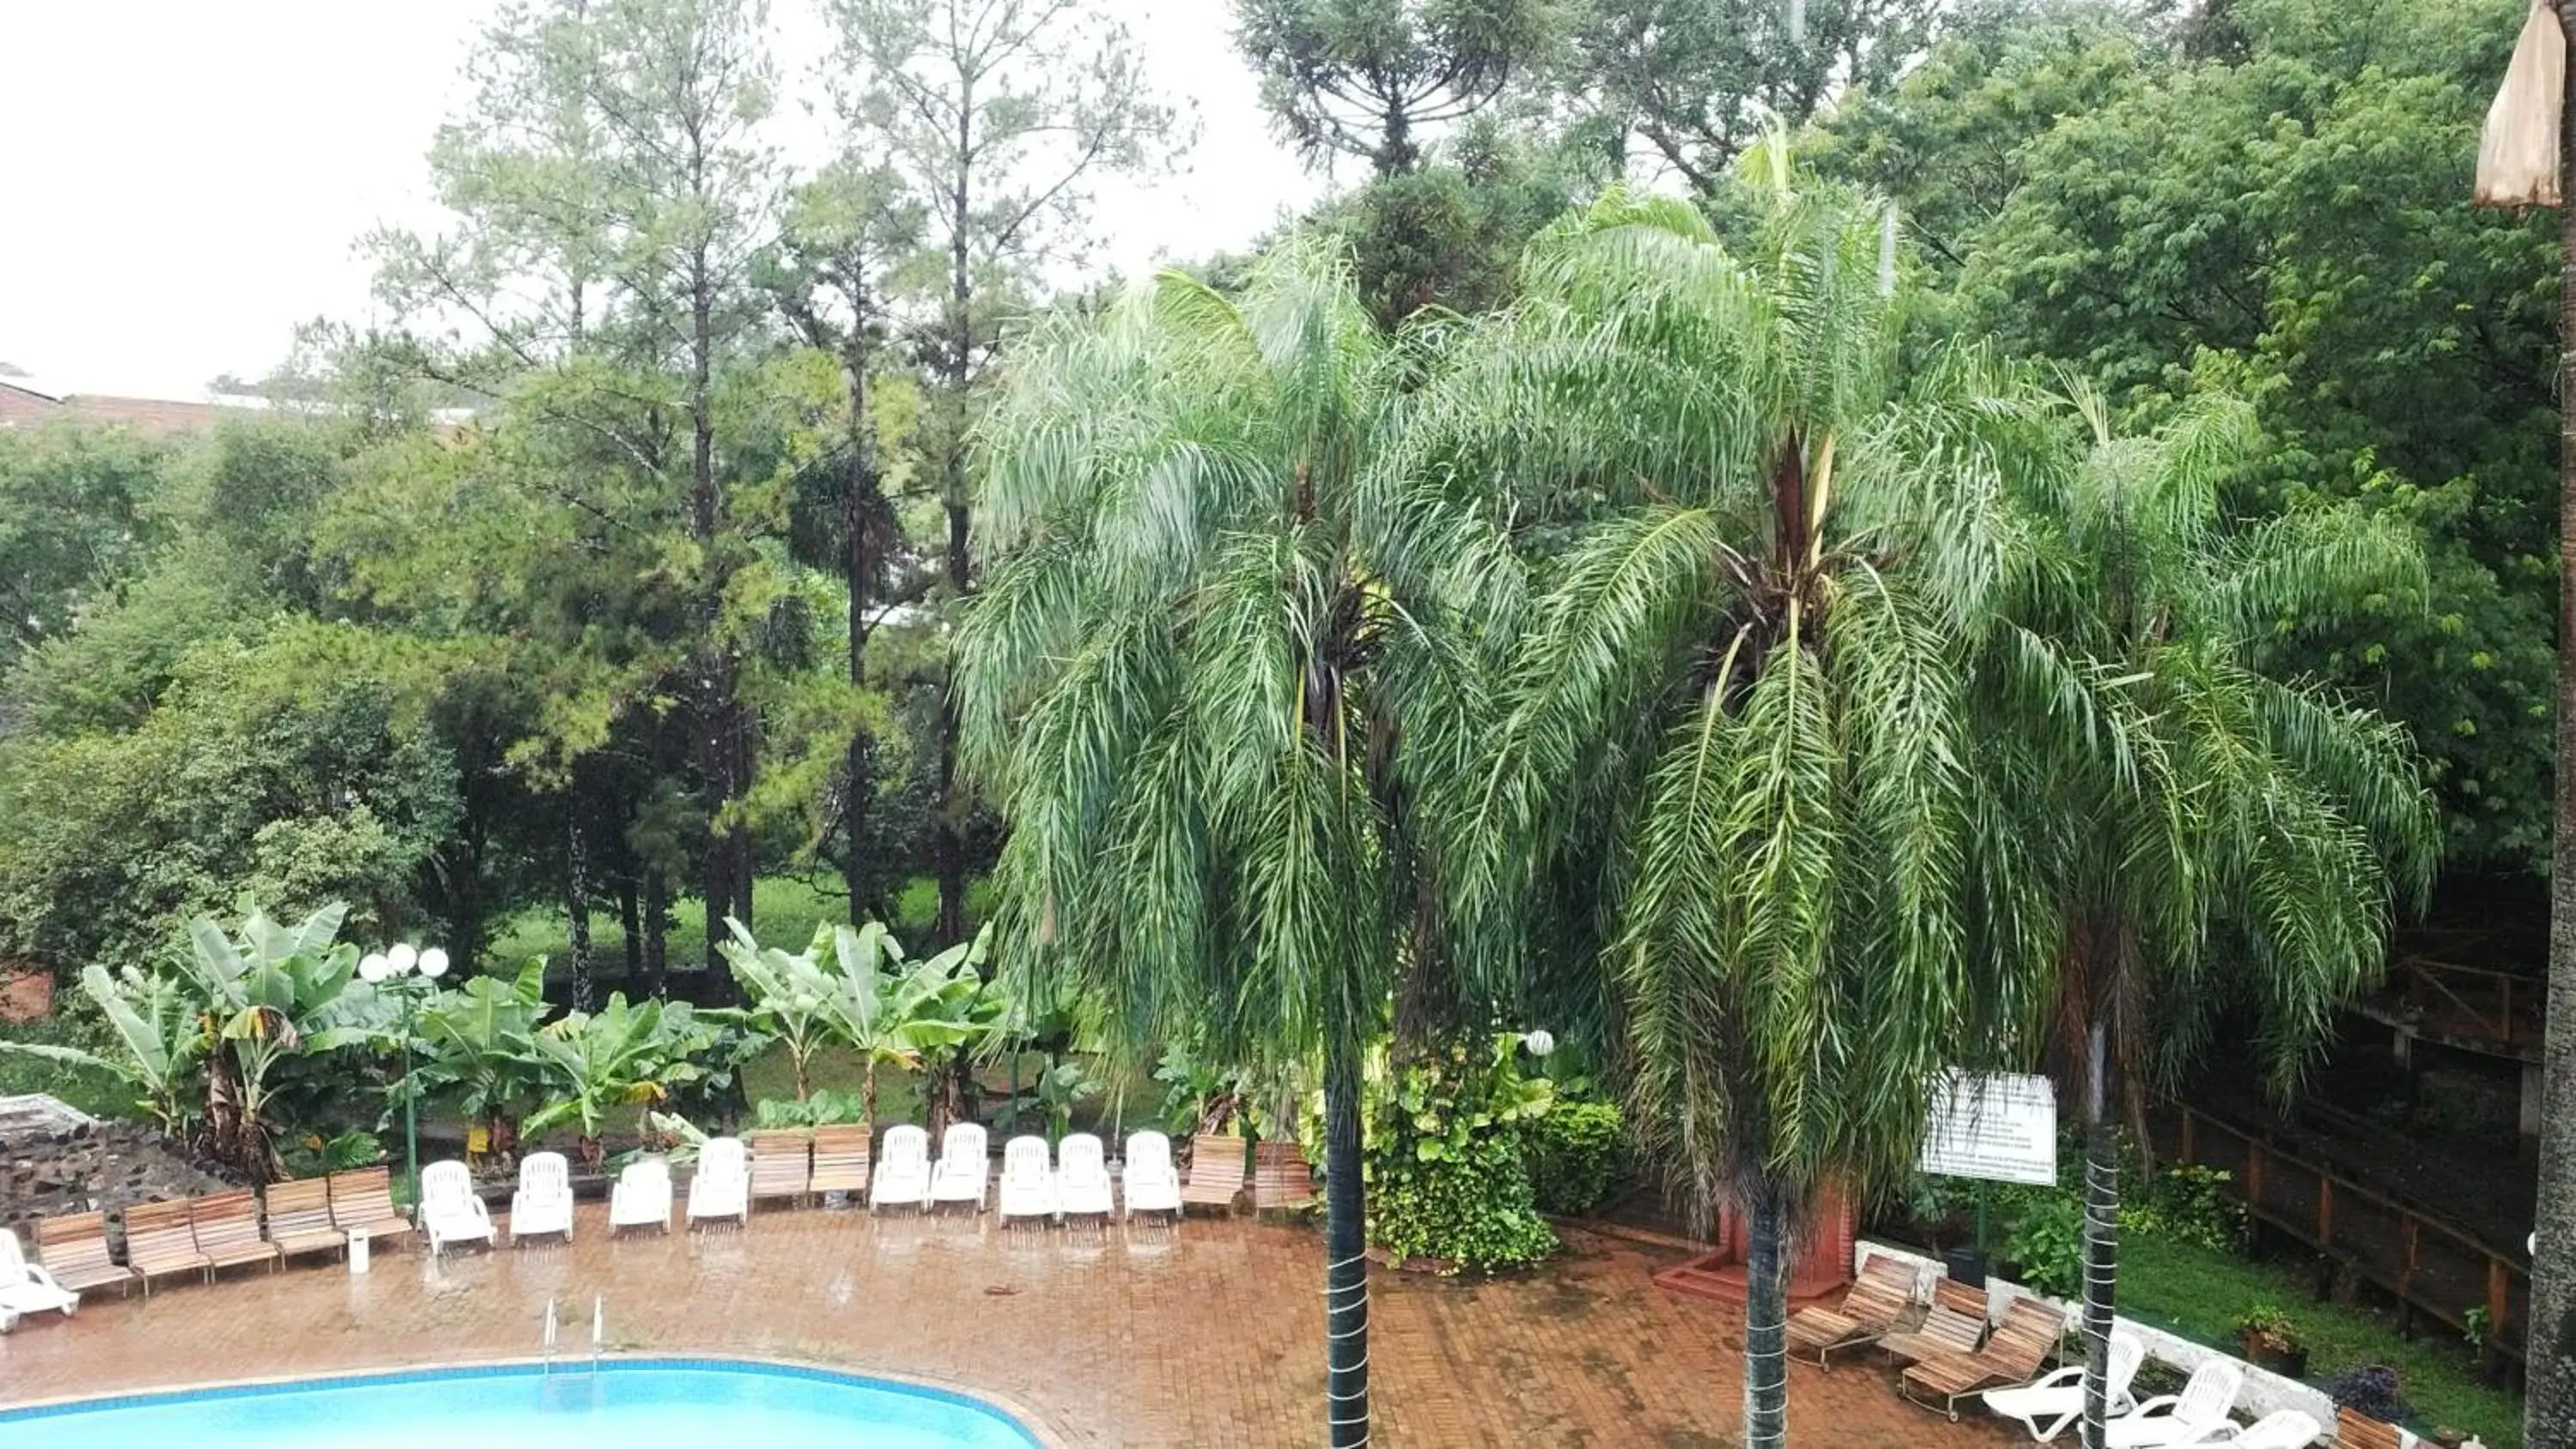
(598, 1332)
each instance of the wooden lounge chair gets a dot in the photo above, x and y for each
(2021, 1343)
(1280, 1176)
(299, 1218)
(227, 1225)
(1880, 1296)
(362, 1201)
(74, 1249)
(159, 1240)
(841, 1159)
(781, 1164)
(1216, 1172)
(2358, 1431)
(1956, 1325)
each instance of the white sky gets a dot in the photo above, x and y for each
(182, 181)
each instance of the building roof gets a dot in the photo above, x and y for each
(24, 406)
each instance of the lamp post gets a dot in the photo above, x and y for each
(402, 963)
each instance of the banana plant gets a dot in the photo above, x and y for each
(159, 1048)
(927, 1015)
(272, 993)
(791, 993)
(479, 1041)
(618, 1056)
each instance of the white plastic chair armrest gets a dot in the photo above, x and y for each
(2160, 1404)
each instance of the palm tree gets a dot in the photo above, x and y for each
(2213, 836)
(1217, 652)
(1745, 681)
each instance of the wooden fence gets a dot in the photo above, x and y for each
(2470, 1002)
(2434, 1269)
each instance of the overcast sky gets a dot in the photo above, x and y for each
(185, 179)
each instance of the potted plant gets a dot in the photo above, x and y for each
(2272, 1341)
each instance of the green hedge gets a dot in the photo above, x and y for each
(1573, 1156)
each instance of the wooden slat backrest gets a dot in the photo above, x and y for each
(300, 1206)
(362, 1195)
(1216, 1170)
(159, 1230)
(841, 1157)
(2355, 1431)
(2029, 1334)
(1889, 1272)
(225, 1220)
(1958, 1316)
(1872, 1301)
(780, 1166)
(1280, 1176)
(75, 1240)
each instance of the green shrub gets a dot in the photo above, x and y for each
(1445, 1163)
(2187, 1202)
(1573, 1155)
(2046, 1242)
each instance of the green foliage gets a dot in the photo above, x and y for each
(1362, 80)
(315, 1155)
(74, 526)
(2044, 1240)
(619, 1056)
(854, 987)
(288, 770)
(2188, 1202)
(1199, 1094)
(1446, 1158)
(822, 1108)
(478, 1041)
(1574, 1154)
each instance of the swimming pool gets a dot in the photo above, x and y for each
(623, 1404)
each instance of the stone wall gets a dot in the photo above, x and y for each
(77, 1166)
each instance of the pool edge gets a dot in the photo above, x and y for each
(1040, 1426)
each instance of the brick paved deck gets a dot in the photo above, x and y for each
(1211, 1337)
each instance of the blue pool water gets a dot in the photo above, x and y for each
(654, 1404)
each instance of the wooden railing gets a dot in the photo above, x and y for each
(2470, 1001)
(2433, 1268)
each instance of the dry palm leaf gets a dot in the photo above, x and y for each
(2518, 153)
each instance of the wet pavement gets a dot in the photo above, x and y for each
(1208, 1336)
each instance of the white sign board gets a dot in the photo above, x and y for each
(1994, 1126)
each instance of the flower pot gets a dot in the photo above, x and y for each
(2264, 1352)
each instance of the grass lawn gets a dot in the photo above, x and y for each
(784, 910)
(2200, 1294)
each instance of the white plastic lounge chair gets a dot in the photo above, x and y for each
(2048, 1405)
(721, 1187)
(1028, 1185)
(1082, 1178)
(642, 1196)
(543, 1203)
(449, 1210)
(2285, 1429)
(964, 1169)
(2189, 1417)
(26, 1288)
(902, 1175)
(1152, 1185)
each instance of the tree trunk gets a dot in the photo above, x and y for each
(948, 846)
(577, 905)
(630, 920)
(2101, 1230)
(859, 527)
(657, 935)
(1766, 1321)
(2549, 1393)
(1346, 1307)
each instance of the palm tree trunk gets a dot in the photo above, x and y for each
(1346, 1394)
(1766, 1321)
(2101, 1232)
(2549, 1395)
